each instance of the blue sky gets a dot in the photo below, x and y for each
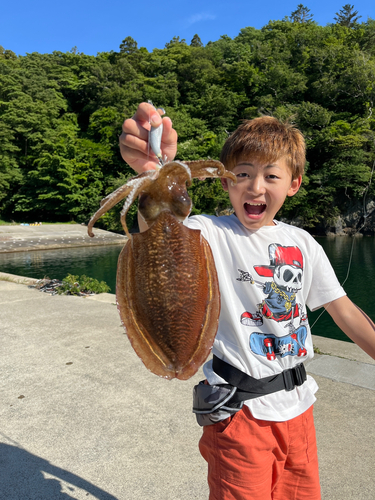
(99, 26)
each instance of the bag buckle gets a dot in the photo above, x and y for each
(293, 377)
(288, 380)
(300, 374)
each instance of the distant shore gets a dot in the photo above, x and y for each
(19, 238)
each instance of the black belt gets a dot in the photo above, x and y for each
(249, 387)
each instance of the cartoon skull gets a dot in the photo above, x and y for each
(288, 277)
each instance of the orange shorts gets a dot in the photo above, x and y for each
(251, 459)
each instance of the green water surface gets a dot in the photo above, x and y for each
(359, 284)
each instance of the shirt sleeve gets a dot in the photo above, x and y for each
(198, 222)
(325, 286)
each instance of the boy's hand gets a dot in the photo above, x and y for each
(134, 138)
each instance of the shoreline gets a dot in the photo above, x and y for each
(19, 238)
(59, 246)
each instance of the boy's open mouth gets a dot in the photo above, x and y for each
(255, 209)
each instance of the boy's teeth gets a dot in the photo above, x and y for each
(254, 208)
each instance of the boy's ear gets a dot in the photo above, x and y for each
(295, 185)
(224, 183)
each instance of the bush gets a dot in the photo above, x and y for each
(75, 285)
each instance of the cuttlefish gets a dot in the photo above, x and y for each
(167, 288)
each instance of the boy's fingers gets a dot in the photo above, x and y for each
(134, 141)
(169, 139)
(169, 136)
(137, 154)
(138, 161)
(137, 129)
(146, 113)
(134, 145)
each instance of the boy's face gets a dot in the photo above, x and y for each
(260, 191)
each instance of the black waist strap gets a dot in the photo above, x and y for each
(250, 387)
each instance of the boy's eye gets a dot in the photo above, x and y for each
(242, 175)
(272, 176)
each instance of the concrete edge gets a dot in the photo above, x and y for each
(58, 246)
(109, 298)
(20, 280)
(23, 280)
(340, 349)
(342, 370)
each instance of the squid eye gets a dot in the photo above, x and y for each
(180, 203)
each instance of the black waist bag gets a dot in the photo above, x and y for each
(212, 403)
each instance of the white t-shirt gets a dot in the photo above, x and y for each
(266, 279)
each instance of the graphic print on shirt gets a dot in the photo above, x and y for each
(280, 304)
(272, 346)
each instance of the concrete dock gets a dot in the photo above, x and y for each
(19, 238)
(82, 418)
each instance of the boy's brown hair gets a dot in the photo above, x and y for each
(268, 140)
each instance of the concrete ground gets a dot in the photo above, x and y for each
(17, 238)
(81, 417)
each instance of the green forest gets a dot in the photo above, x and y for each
(61, 115)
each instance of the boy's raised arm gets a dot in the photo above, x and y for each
(354, 323)
(134, 138)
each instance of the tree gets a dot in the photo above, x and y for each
(9, 170)
(66, 181)
(175, 41)
(7, 54)
(196, 41)
(301, 14)
(346, 16)
(128, 46)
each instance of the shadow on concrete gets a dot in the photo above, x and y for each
(23, 475)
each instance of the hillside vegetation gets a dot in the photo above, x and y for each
(61, 115)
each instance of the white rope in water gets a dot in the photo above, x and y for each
(365, 215)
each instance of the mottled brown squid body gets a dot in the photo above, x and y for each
(168, 297)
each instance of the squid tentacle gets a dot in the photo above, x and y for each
(136, 185)
(119, 194)
(209, 168)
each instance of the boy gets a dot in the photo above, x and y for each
(268, 272)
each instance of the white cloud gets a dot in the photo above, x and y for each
(203, 16)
